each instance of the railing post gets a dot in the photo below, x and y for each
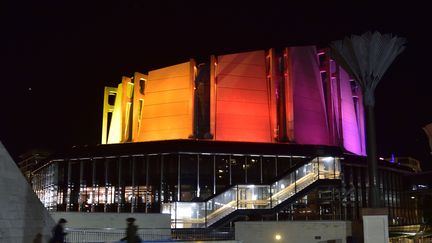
(334, 167)
(205, 213)
(175, 215)
(237, 196)
(271, 196)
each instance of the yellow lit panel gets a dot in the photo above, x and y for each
(168, 103)
(138, 103)
(115, 132)
(126, 105)
(107, 109)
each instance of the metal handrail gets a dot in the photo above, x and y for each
(113, 235)
(230, 200)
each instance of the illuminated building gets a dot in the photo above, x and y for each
(263, 134)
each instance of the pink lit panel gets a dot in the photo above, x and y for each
(310, 121)
(350, 126)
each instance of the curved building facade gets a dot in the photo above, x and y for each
(262, 134)
(294, 95)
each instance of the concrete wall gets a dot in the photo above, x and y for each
(112, 220)
(375, 228)
(22, 215)
(292, 231)
(208, 241)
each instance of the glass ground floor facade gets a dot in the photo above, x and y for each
(148, 182)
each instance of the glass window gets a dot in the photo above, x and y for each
(268, 169)
(253, 172)
(170, 178)
(140, 182)
(188, 177)
(283, 164)
(238, 169)
(298, 159)
(222, 173)
(126, 193)
(206, 176)
(112, 184)
(154, 182)
(99, 185)
(74, 185)
(62, 185)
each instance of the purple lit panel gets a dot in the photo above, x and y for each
(337, 119)
(350, 124)
(361, 120)
(310, 122)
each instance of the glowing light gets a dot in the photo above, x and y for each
(412, 197)
(392, 158)
(278, 237)
(327, 159)
(185, 212)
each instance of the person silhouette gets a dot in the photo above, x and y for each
(131, 232)
(38, 238)
(58, 232)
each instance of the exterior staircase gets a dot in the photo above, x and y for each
(241, 198)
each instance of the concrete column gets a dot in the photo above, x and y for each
(375, 225)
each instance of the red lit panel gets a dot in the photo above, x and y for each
(242, 108)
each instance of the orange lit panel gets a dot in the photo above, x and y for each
(167, 110)
(242, 108)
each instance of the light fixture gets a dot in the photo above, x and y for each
(327, 159)
(278, 237)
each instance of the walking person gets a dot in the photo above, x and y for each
(58, 232)
(131, 232)
(38, 238)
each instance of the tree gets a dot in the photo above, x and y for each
(366, 58)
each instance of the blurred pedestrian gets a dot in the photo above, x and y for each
(58, 232)
(131, 232)
(38, 238)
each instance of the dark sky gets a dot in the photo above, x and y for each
(56, 57)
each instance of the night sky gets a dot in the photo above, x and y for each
(56, 57)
